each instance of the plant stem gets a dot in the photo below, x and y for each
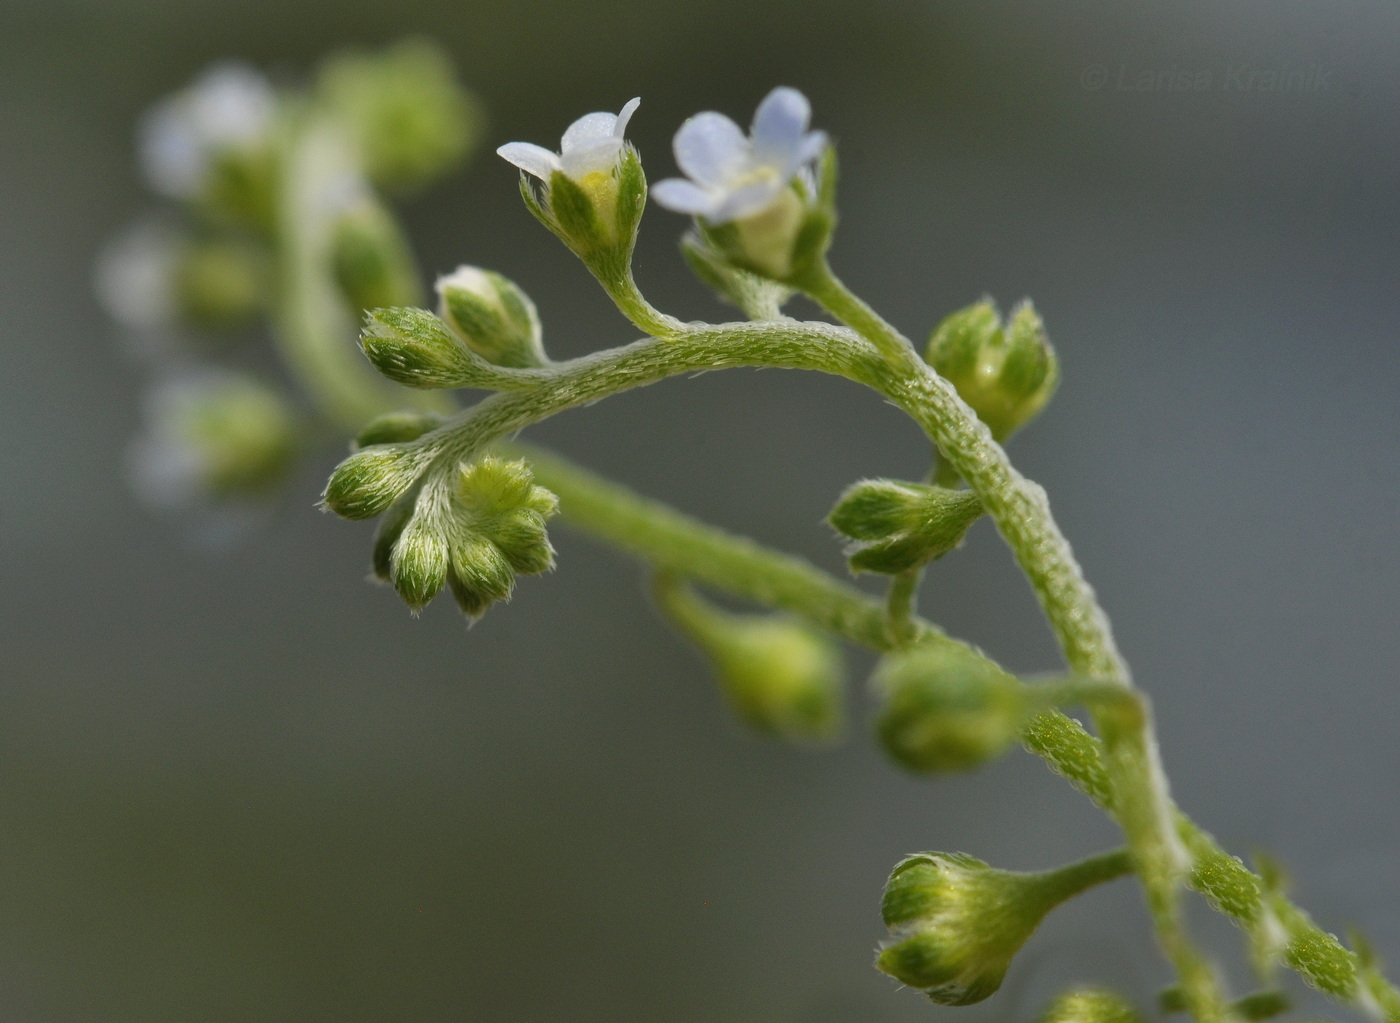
(900, 604)
(314, 326)
(1022, 513)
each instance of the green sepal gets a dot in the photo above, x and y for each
(947, 709)
(415, 348)
(386, 534)
(493, 316)
(576, 220)
(748, 291)
(418, 565)
(631, 199)
(480, 575)
(369, 481)
(1006, 374)
(898, 525)
(397, 428)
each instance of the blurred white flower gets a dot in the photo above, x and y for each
(229, 106)
(733, 176)
(590, 146)
(135, 277)
(209, 435)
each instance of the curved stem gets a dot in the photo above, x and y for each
(1022, 514)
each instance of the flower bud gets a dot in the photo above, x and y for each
(405, 109)
(1090, 1005)
(946, 709)
(216, 435)
(956, 923)
(898, 525)
(498, 531)
(493, 316)
(419, 561)
(372, 262)
(1005, 373)
(415, 348)
(397, 428)
(369, 481)
(779, 676)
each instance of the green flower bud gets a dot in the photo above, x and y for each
(947, 709)
(780, 676)
(405, 109)
(956, 923)
(493, 316)
(397, 428)
(498, 531)
(898, 525)
(386, 534)
(415, 348)
(419, 561)
(370, 257)
(219, 283)
(369, 481)
(218, 436)
(1090, 1005)
(1006, 374)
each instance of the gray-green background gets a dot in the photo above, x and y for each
(248, 786)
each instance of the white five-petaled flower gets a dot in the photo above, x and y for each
(733, 176)
(229, 106)
(591, 145)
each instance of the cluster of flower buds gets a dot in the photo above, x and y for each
(946, 709)
(213, 436)
(473, 536)
(956, 923)
(780, 677)
(896, 526)
(1005, 372)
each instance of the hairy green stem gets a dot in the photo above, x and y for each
(900, 604)
(1021, 511)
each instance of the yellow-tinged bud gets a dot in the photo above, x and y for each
(780, 676)
(898, 526)
(1006, 373)
(956, 923)
(1090, 1005)
(493, 316)
(947, 709)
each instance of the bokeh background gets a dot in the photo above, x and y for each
(241, 784)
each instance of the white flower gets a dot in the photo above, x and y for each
(136, 277)
(590, 146)
(733, 176)
(229, 106)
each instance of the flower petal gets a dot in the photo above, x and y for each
(812, 146)
(682, 196)
(588, 128)
(596, 155)
(711, 149)
(531, 158)
(625, 114)
(778, 126)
